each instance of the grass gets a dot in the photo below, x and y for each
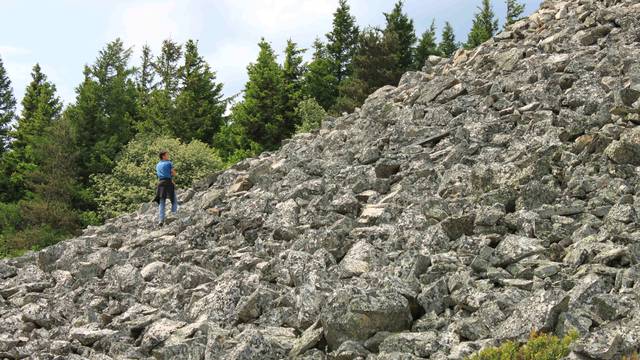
(540, 346)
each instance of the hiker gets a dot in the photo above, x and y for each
(166, 187)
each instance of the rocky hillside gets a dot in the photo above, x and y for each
(484, 197)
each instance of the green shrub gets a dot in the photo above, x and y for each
(311, 115)
(16, 243)
(133, 178)
(539, 347)
(9, 216)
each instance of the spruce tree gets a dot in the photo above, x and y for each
(7, 107)
(102, 117)
(485, 25)
(260, 116)
(448, 44)
(426, 47)
(40, 108)
(401, 25)
(373, 67)
(319, 81)
(514, 11)
(145, 76)
(167, 65)
(293, 69)
(342, 40)
(159, 114)
(199, 104)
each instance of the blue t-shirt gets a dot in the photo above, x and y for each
(163, 169)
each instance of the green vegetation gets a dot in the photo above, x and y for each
(538, 347)
(133, 177)
(311, 115)
(62, 168)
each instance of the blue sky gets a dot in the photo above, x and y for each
(64, 35)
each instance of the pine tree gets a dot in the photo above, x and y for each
(514, 11)
(7, 107)
(260, 114)
(145, 76)
(199, 104)
(40, 108)
(102, 117)
(426, 47)
(166, 65)
(485, 25)
(293, 69)
(401, 25)
(373, 67)
(319, 81)
(342, 41)
(448, 44)
(159, 112)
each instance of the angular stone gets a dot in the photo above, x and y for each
(352, 314)
(623, 152)
(538, 312)
(434, 297)
(515, 248)
(307, 340)
(422, 344)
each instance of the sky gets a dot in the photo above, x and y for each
(64, 35)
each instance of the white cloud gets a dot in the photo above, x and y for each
(272, 17)
(151, 22)
(229, 60)
(9, 51)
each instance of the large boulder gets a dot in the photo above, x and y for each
(356, 314)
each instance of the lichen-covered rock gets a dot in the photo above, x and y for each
(486, 196)
(352, 314)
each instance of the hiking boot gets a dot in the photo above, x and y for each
(161, 224)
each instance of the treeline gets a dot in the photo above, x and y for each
(65, 168)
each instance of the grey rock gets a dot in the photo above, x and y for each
(493, 193)
(351, 314)
(422, 344)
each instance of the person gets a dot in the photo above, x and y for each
(166, 188)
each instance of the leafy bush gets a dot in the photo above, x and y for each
(16, 243)
(311, 114)
(539, 347)
(9, 216)
(133, 178)
(633, 356)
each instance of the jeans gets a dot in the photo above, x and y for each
(174, 206)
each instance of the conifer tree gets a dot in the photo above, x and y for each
(448, 44)
(342, 40)
(159, 114)
(426, 47)
(401, 25)
(484, 26)
(373, 67)
(514, 11)
(260, 115)
(102, 117)
(293, 69)
(167, 65)
(40, 108)
(145, 76)
(7, 107)
(199, 104)
(319, 81)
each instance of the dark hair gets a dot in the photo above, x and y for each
(162, 153)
